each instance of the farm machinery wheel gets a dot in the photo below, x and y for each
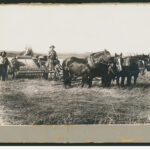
(54, 76)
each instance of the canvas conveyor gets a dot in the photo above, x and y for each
(29, 68)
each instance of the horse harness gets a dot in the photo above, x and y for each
(91, 64)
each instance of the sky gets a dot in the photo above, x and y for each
(76, 28)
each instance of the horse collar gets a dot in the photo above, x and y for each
(91, 63)
(92, 60)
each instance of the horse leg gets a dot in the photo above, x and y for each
(67, 83)
(105, 84)
(117, 80)
(109, 79)
(129, 80)
(122, 81)
(109, 82)
(70, 79)
(90, 81)
(135, 78)
(85, 79)
(103, 81)
(65, 78)
(106, 81)
(83, 82)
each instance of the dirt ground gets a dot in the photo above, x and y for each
(38, 101)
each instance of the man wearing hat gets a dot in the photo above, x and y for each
(4, 62)
(52, 57)
(4, 57)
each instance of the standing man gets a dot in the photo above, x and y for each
(4, 62)
(52, 58)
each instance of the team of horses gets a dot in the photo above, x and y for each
(99, 64)
(102, 64)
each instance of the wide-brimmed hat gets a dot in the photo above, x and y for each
(52, 46)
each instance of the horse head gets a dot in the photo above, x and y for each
(118, 61)
(144, 59)
(141, 66)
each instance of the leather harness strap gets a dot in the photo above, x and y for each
(104, 63)
(91, 64)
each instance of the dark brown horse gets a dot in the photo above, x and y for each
(131, 67)
(98, 64)
(111, 66)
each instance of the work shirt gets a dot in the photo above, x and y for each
(52, 55)
(4, 60)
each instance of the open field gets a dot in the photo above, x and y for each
(37, 101)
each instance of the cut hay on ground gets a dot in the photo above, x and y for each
(38, 101)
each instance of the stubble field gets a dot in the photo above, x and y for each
(38, 102)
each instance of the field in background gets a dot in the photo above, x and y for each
(60, 55)
(37, 101)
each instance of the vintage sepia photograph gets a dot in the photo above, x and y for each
(74, 64)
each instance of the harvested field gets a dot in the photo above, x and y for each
(38, 102)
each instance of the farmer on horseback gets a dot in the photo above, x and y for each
(52, 58)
